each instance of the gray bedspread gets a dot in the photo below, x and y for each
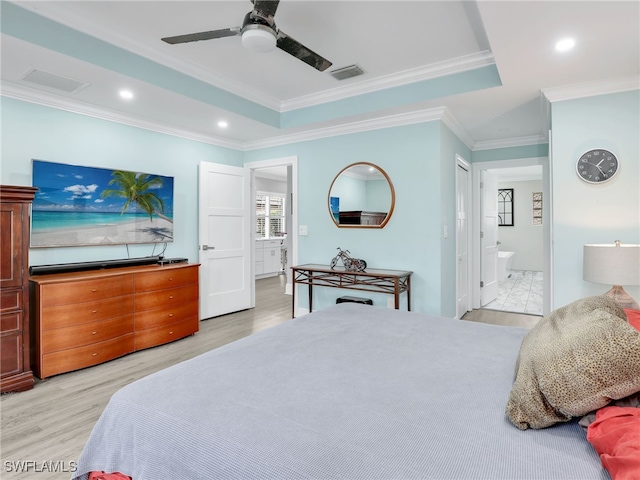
(347, 392)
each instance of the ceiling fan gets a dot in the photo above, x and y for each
(259, 33)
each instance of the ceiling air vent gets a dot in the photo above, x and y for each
(51, 80)
(346, 72)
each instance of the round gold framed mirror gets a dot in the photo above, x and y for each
(361, 196)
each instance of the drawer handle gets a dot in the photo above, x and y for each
(94, 311)
(170, 297)
(94, 289)
(93, 333)
(170, 315)
(171, 332)
(95, 354)
(171, 279)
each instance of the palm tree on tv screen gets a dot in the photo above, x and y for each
(136, 188)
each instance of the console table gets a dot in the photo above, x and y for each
(372, 280)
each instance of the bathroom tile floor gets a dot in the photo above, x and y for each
(521, 292)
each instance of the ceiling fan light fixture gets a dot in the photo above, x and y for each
(259, 38)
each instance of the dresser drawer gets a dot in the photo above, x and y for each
(171, 277)
(86, 334)
(77, 314)
(85, 291)
(169, 298)
(165, 334)
(166, 316)
(87, 356)
(10, 300)
(11, 322)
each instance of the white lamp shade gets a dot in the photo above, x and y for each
(612, 264)
(259, 39)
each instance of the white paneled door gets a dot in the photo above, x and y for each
(225, 239)
(462, 241)
(489, 237)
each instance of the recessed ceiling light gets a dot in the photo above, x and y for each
(223, 124)
(565, 44)
(126, 94)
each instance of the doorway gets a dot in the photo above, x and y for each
(531, 275)
(285, 170)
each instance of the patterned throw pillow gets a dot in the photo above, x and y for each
(575, 360)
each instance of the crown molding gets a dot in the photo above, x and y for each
(510, 142)
(590, 89)
(435, 70)
(450, 121)
(11, 90)
(46, 99)
(396, 120)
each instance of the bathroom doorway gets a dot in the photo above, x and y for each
(523, 238)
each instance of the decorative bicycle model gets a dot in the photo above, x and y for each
(350, 264)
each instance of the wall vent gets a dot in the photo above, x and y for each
(346, 72)
(51, 80)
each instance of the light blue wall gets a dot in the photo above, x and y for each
(410, 155)
(585, 213)
(32, 131)
(442, 86)
(510, 153)
(419, 159)
(411, 240)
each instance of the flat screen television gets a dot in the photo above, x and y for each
(79, 205)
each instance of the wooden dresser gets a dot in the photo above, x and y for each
(85, 318)
(15, 368)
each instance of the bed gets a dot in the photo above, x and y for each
(348, 392)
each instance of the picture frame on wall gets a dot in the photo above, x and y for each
(505, 207)
(78, 205)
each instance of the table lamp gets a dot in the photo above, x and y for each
(614, 264)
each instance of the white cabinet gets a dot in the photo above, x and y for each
(267, 257)
(259, 257)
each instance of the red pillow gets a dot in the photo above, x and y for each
(633, 316)
(615, 435)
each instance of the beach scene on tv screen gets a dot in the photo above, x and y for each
(79, 205)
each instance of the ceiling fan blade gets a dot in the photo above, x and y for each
(295, 48)
(266, 7)
(194, 37)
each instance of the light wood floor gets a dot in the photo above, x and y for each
(52, 422)
(502, 318)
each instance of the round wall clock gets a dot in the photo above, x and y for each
(597, 166)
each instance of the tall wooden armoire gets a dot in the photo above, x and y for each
(15, 365)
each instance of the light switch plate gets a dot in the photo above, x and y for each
(303, 230)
